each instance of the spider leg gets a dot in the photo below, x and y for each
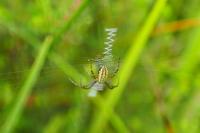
(92, 72)
(75, 83)
(89, 85)
(116, 70)
(80, 85)
(111, 86)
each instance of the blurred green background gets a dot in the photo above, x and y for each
(43, 43)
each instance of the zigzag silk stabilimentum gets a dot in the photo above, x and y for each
(106, 60)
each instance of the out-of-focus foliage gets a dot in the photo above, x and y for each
(161, 95)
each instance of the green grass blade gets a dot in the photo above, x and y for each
(188, 62)
(25, 91)
(33, 41)
(130, 61)
(66, 26)
(117, 123)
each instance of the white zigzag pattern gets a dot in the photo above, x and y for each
(111, 32)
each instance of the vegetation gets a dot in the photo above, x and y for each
(44, 43)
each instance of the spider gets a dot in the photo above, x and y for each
(100, 80)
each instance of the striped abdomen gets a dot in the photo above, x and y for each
(103, 74)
